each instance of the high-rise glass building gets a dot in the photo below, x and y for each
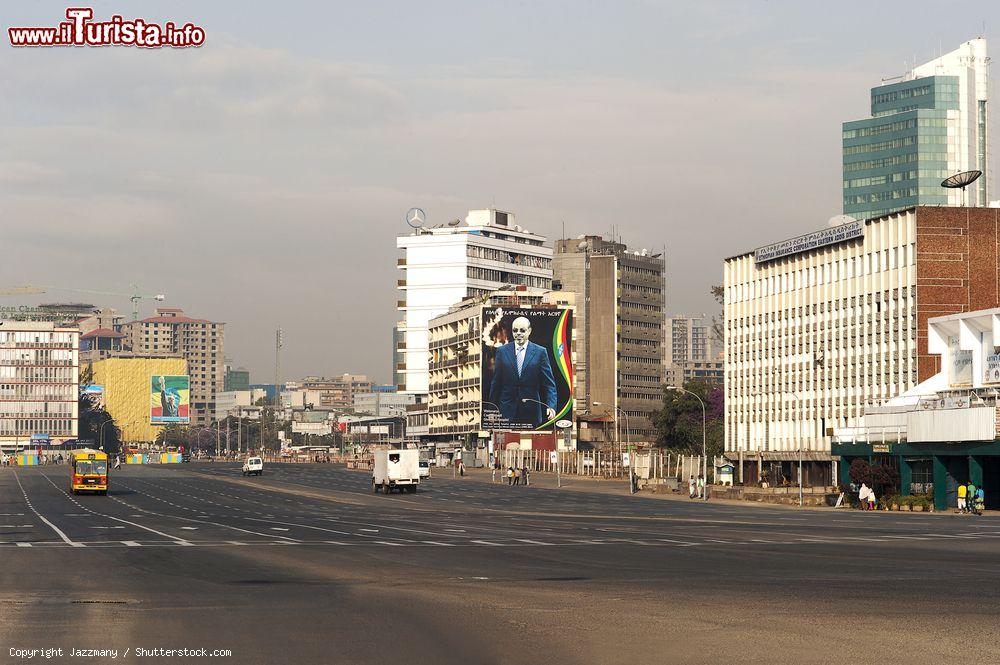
(929, 124)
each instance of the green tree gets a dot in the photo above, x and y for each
(93, 418)
(719, 322)
(679, 423)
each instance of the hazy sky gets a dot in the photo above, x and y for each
(262, 178)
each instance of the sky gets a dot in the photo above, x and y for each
(262, 178)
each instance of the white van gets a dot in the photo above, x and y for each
(253, 466)
(396, 469)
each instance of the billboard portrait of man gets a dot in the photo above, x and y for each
(523, 387)
(169, 397)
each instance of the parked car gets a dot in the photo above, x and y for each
(425, 469)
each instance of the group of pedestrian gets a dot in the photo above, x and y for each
(971, 499)
(696, 487)
(516, 475)
(866, 495)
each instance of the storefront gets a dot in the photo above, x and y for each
(935, 469)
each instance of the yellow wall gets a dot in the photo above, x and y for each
(126, 391)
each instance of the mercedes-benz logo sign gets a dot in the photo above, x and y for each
(415, 217)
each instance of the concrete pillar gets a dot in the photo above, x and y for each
(905, 477)
(940, 484)
(975, 471)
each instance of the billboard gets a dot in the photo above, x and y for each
(169, 399)
(527, 368)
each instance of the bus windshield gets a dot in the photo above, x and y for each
(92, 467)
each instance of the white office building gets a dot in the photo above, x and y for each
(39, 383)
(445, 264)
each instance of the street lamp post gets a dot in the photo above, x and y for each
(704, 446)
(493, 441)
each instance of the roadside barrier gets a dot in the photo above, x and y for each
(27, 459)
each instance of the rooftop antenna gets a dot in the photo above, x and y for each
(961, 181)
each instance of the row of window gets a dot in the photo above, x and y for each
(827, 273)
(881, 196)
(503, 277)
(25, 427)
(875, 181)
(905, 93)
(504, 256)
(33, 374)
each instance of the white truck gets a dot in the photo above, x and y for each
(396, 469)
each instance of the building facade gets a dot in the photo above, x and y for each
(236, 378)
(198, 341)
(688, 338)
(39, 382)
(444, 265)
(707, 371)
(383, 403)
(126, 391)
(931, 124)
(619, 316)
(456, 338)
(338, 393)
(821, 326)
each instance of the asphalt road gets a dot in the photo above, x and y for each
(306, 565)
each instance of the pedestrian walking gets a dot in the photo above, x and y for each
(962, 489)
(493, 478)
(524, 473)
(701, 486)
(691, 486)
(461, 468)
(517, 475)
(980, 501)
(970, 497)
(863, 496)
(510, 476)
(871, 499)
(118, 462)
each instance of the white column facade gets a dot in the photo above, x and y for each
(814, 336)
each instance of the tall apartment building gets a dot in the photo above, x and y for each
(39, 382)
(455, 340)
(688, 338)
(929, 125)
(338, 393)
(819, 326)
(619, 349)
(198, 341)
(445, 264)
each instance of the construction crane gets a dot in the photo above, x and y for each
(135, 296)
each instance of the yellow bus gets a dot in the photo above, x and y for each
(88, 471)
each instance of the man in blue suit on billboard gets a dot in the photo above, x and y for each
(522, 372)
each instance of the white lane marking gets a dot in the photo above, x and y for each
(685, 543)
(531, 542)
(29, 545)
(11, 514)
(434, 542)
(278, 528)
(386, 542)
(117, 519)
(190, 528)
(107, 527)
(369, 530)
(235, 542)
(486, 542)
(17, 526)
(66, 539)
(130, 543)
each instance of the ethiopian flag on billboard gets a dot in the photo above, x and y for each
(169, 399)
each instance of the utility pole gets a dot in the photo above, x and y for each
(278, 342)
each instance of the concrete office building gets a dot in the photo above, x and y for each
(236, 378)
(930, 124)
(383, 403)
(619, 348)
(820, 326)
(442, 265)
(198, 341)
(338, 392)
(39, 383)
(455, 340)
(689, 338)
(703, 371)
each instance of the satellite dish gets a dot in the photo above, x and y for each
(961, 181)
(415, 217)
